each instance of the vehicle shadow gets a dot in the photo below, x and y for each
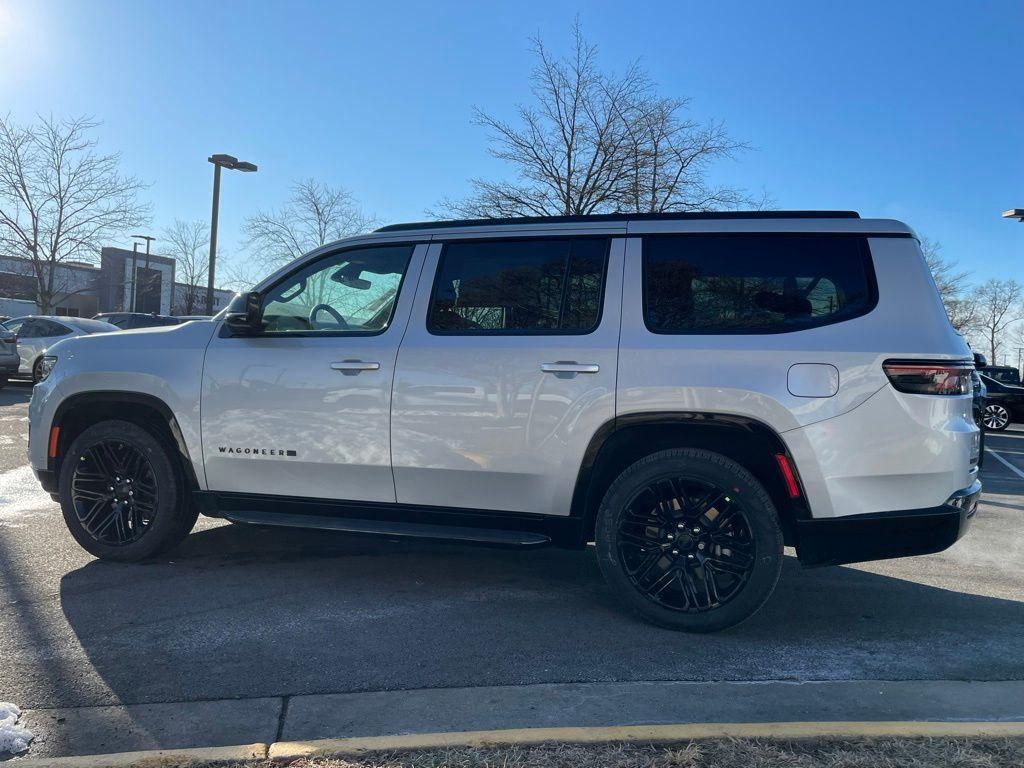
(241, 611)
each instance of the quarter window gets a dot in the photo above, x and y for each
(519, 286)
(352, 292)
(754, 283)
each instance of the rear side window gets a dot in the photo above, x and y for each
(519, 287)
(697, 284)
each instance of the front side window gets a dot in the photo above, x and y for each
(519, 286)
(353, 291)
(754, 283)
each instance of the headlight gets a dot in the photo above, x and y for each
(49, 361)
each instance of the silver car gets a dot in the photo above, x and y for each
(37, 333)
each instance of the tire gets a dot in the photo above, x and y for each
(109, 462)
(37, 370)
(996, 418)
(713, 571)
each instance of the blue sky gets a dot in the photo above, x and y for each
(913, 110)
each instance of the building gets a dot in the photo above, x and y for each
(85, 289)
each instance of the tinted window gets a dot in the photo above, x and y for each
(349, 292)
(519, 286)
(92, 326)
(754, 284)
(48, 328)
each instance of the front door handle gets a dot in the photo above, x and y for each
(352, 367)
(569, 366)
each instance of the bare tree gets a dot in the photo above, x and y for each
(961, 306)
(999, 307)
(596, 142)
(188, 246)
(60, 199)
(315, 215)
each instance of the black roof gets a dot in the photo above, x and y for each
(689, 215)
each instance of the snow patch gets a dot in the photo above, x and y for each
(13, 737)
(21, 494)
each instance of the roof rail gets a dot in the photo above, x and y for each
(611, 217)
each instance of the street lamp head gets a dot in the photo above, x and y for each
(225, 161)
(232, 163)
(1014, 213)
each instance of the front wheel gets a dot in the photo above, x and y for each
(996, 418)
(122, 493)
(37, 371)
(690, 540)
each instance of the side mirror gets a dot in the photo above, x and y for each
(249, 321)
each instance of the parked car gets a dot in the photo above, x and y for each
(9, 360)
(978, 403)
(1004, 404)
(37, 333)
(1004, 373)
(128, 320)
(689, 391)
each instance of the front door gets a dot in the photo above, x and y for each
(302, 409)
(506, 372)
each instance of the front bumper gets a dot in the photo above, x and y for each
(47, 478)
(882, 535)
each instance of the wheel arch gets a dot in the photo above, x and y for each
(626, 439)
(82, 410)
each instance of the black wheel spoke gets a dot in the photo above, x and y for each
(686, 544)
(114, 492)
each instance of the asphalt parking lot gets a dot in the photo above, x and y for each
(258, 618)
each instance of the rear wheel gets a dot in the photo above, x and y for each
(997, 418)
(122, 492)
(690, 540)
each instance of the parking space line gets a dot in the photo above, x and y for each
(1005, 463)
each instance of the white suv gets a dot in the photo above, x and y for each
(690, 392)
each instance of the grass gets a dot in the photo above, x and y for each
(720, 753)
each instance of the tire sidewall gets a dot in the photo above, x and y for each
(725, 473)
(166, 517)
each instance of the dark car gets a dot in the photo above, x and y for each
(1004, 373)
(1004, 404)
(127, 320)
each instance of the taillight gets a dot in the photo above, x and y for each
(921, 378)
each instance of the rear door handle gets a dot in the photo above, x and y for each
(352, 367)
(569, 366)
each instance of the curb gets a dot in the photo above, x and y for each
(293, 750)
(150, 758)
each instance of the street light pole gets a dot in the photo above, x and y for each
(213, 239)
(234, 164)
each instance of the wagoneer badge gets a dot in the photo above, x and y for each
(257, 451)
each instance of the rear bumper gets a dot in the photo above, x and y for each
(882, 535)
(9, 367)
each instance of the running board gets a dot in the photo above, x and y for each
(393, 528)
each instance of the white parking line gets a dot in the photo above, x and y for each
(1005, 463)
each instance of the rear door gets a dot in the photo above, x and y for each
(506, 371)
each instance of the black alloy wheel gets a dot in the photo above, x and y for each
(114, 492)
(686, 544)
(123, 491)
(689, 539)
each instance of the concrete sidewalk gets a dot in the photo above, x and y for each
(177, 725)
